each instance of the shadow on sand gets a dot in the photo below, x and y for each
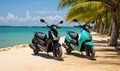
(102, 43)
(47, 56)
(81, 56)
(110, 53)
(99, 41)
(44, 55)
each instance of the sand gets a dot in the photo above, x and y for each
(21, 58)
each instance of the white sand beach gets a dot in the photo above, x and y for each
(21, 58)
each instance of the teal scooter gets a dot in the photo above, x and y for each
(80, 42)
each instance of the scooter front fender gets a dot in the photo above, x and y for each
(89, 43)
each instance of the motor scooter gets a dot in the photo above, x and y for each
(80, 42)
(40, 42)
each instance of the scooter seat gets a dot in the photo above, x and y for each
(40, 35)
(73, 35)
(39, 41)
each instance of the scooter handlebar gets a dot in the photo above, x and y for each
(52, 26)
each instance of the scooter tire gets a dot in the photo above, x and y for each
(90, 51)
(57, 53)
(35, 52)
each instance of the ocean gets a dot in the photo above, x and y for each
(11, 36)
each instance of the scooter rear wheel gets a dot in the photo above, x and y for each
(57, 52)
(35, 51)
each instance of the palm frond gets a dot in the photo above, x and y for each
(85, 10)
(69, 3)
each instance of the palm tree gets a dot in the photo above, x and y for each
(113, 7)
(87, 10)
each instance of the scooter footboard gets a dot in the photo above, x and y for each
(68, 38)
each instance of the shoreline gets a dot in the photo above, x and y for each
(23, 45)
(13, 47)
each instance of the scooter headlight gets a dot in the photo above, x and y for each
(89, 37)
(54, 27)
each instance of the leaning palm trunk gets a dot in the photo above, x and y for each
(114, 33)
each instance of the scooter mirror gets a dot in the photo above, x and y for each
(61, 22)
(42, 20)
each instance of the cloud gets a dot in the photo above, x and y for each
(27, 13)
(2, 19)
(27, 17)
(56, 17)
(13, 18)
(10, 16)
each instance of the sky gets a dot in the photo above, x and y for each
(29, 12)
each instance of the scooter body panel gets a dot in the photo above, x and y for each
(83, 37)
(89, 44)
(68, 38)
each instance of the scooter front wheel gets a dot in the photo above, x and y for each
(90, 51)
(57, 52)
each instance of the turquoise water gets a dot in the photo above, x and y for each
(12, 36)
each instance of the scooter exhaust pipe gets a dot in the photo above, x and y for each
(65, 46)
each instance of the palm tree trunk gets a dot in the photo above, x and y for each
(97, 26)
(114, 33)
(110, 28)
(118, 22)
(106, 22)
(104, 28)
(100, 25)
